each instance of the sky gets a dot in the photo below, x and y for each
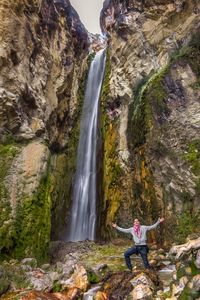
(89, 12)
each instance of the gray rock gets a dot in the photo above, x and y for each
(46, 267)
(26, 268)
(32, 262)
(195, 283)
(197, 260)
(100, 268)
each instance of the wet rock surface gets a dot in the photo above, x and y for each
(84, 275)
(43, 59)
(152, 105)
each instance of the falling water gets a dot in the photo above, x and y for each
(83, 214)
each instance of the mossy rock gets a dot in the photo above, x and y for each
(180, 272)
(188, 223)
(32, 262)
(92, 277)
(33, 223)
(188, 294)
(13, 276)
(7, 231)
(57, 287)
(4, 285)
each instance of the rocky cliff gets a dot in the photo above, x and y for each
(150, 108)
(150, 118)
(43, 58)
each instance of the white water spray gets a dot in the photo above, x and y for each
(83, 212)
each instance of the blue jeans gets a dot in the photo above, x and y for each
(142, 250)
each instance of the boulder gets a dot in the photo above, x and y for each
(143, 287)
(195, 284)
(32, 262)
(101, 296)
(179, 250)
(141, 291)
(41, 281)
(141, 279)
(177, 289)
(79, 280)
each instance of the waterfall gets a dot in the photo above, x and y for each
(83, 212)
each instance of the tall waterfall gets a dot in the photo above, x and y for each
(83, 213)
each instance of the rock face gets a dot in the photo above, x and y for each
(43, 59)
(151, 105)
(150, 117)
(42, 49)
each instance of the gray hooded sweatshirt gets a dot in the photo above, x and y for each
(139, 241)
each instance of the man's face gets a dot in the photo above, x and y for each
(136, 222)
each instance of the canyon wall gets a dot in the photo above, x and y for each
(43, 59)
(151, 115)
(149, 118)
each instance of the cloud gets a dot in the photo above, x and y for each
(89, 13)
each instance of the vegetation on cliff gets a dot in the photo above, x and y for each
(8, 151)
(33, 223)
(150, 112)
(112, 170)
(25, 225)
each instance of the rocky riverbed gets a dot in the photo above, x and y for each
(89, 270)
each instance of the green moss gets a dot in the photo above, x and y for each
(108, 254)
(186, 294)
(57, 287)
(149, 96)
(92, 277)
(195, 85)
(4, 285)
(188, 223)
(106, 83)
(167, 294)
(194, 269)
(180, 273)
(147, 121)
(13, 273)
(7, 232)
(33, 223)
(191, 54)
(112, 171)
(148, 105)
(193, 156)
(27, 231)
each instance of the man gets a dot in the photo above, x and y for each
(139, 234)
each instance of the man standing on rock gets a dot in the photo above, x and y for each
(139, 233)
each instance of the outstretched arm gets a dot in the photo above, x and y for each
(160, 220)
(128, 230)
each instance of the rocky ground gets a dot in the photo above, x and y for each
(89, 270)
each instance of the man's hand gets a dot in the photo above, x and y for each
(161, 220)
(114, 225)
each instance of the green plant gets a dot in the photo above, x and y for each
(57, 287)
(33, 223)
(148, 105)
(187, 223)
(92, 277)
(193, 156)
(7, 231)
